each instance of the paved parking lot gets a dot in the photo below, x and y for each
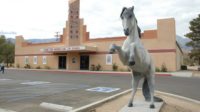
(25, 90)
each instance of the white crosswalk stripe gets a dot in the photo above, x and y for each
(56, 107)
(5, 110)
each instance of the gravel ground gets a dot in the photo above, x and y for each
(196, 74)
(171, 104)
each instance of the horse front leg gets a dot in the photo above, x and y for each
(113, 48)
(135, 80)
(122, 55)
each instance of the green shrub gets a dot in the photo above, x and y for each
(27, 66)
(128, 69)
(92, 68)
(10, 65)
(47, 67)
(122, 70)
(98, 67)
(158, 69)
(18, 66)
(183, 67)
(163, 68)
(114, 67)
(38, 67)
(95, 67)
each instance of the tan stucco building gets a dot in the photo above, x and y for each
(77, 51)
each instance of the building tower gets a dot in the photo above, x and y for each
(74, 23)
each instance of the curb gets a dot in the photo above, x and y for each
(179, 97)
(88, 72)
(101, 102)
(98, 103)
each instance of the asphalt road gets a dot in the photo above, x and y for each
(20, 92)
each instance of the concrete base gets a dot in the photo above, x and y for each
(142, 106)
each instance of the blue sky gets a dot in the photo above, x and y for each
(42, 18)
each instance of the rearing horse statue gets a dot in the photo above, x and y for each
(133, 54)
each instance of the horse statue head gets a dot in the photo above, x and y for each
(129, 21)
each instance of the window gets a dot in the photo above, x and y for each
(44, 60)
(109, 59)
(34, 59)
(26, 60)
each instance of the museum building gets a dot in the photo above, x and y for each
(75, 50)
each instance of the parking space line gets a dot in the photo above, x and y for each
(56, 107)
(5, 110)
(5, 79)
(35, 83)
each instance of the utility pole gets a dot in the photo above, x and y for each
(57, 36)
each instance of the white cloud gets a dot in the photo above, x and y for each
(146, 11)
(33, 18)
(42, 18)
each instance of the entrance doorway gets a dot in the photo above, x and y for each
(84, 62)
(62, 62)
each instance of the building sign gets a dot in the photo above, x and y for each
(72, 48)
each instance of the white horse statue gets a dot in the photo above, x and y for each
(133, 54)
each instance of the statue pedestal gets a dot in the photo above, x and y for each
(142, 106)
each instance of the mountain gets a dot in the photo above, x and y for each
(12, 40)
(36, 40)
(182, 42)
(43, 40)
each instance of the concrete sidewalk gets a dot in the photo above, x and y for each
(118, 103)
(176, 74)
(142, 106)
(90, 72)
(182, 74)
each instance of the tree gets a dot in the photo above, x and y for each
(194, 35)
(6, 51)
(2, 43)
